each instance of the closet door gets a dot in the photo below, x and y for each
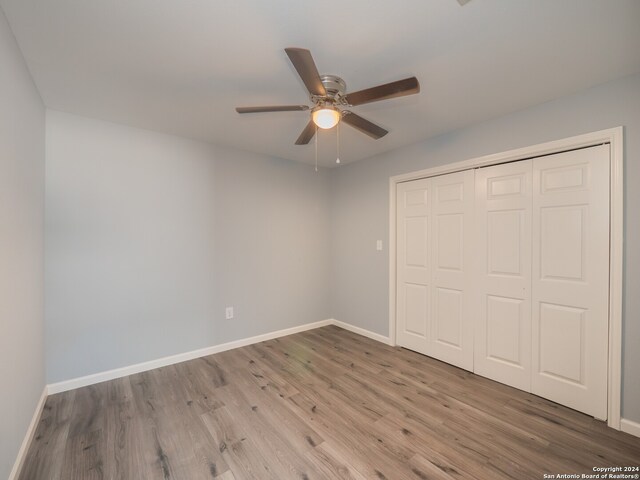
(434, 257)
(503, 279)
(451, 257)
(413, 263)
(571, 278)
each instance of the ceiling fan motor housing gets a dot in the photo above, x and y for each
(334, 85)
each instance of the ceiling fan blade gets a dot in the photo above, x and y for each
(400, 88)
(307, 134)
(306, 68)
(276, 108)
(365, 126)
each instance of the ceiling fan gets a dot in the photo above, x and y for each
(330, 99)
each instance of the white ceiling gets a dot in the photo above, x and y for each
(181, 66)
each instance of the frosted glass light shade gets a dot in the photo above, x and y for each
(326, 117)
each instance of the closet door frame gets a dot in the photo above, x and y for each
(614, 137)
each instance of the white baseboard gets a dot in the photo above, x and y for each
(362, 331)
(629, 426)
(22, 453)
(203, 352)
(181, 357)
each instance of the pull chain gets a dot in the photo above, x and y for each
(338, 143)
(316, 148)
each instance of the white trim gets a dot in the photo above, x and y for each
(614, 137)
(361, 331)
(203, 352)
(616, 274)
(629, 426)
(392, 260)
(181, 357)
(548, 148)
(22, 453)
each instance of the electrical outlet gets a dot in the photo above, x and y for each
(228, 313)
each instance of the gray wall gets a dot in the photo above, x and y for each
(150, 236)
(22, 128)
(360, 205)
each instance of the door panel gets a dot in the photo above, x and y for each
(503, 275)
(416, 229)
(504, 242)
(416, 304)
(561, 332)
(562, 242)
(571, 278)
(504, 320)
(450, 241)
(452, 309)
(434, 309)
(413, 264)
(448, 317)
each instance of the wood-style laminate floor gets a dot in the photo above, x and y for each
(321, 404)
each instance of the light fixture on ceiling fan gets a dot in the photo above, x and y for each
(325, 117)
(331, 100)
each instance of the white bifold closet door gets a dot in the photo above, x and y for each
(543, 246)
(570, 289)
(434, 267)
(503, 283)
(505, 271)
